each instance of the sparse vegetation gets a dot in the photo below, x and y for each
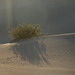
(24, 30)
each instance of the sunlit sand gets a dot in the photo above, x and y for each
(46, 55)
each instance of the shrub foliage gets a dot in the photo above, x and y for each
(24, 30)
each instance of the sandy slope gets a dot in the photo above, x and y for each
(48, 55)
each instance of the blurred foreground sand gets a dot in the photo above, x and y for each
(48, 55)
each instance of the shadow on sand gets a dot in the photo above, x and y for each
(70, 38)
(32, 50)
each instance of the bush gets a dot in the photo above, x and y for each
(23, 31)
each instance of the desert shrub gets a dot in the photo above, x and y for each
(24, 30)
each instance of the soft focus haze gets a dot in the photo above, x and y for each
(54, 16)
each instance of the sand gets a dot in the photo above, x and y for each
(47, 55)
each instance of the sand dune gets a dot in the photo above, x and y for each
(47, 55)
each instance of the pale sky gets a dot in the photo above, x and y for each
(54, 16)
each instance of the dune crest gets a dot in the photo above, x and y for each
(43, 55)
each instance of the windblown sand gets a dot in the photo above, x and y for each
(48, 55)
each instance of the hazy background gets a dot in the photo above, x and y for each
(54, 16)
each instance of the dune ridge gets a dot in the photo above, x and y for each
(46, 55)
